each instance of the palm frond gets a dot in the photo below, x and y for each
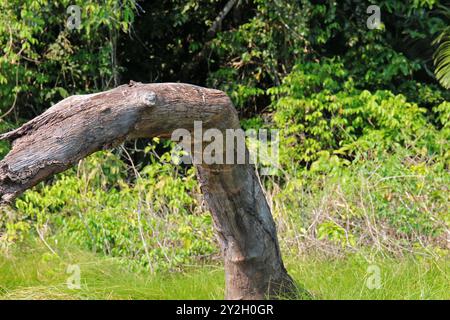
(442, 62)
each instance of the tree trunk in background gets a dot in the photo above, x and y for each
(80, 125)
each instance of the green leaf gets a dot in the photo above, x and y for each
(442, 60)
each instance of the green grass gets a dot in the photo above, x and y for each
(348, 278)
(34, 273)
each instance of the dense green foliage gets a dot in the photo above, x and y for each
(364, 123)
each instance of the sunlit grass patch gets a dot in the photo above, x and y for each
(33, 272)
(354, 277)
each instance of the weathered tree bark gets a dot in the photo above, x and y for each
(80, 125)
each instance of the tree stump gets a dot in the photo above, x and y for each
(83, 124)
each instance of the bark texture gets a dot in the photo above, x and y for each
(80, 125)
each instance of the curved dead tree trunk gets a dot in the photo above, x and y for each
(80, 125)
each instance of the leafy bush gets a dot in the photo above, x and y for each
(155, 221)
(319, 109)
(359, 168)
(394, 202)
